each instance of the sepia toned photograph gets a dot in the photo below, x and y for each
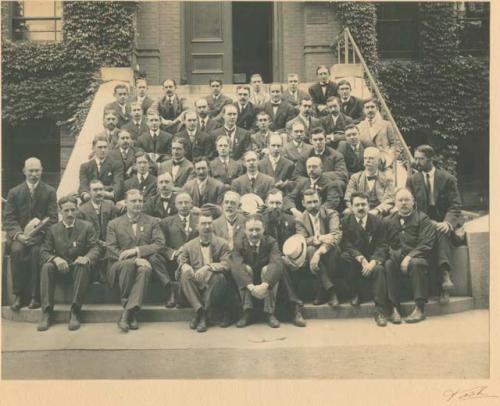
(207, 190)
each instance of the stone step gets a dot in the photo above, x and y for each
(108, 313)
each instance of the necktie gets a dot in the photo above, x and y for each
(141, 180)
(124, 154)
(184, 224)
(99, 221)
(225, 165)
(252, 183)
(99, 164)
(203, 125)
(372, 177)
(69, 230)
(430, 196)
(32, 192)
(362, 225)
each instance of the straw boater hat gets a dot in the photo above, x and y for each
(295, 249)
(250, 202)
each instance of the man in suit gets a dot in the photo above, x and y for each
(179, 166)
(410, 236)
(321, 229)
(138, 123)
(246, 109)
(296, 149)
(101, 167)
(335, 122)
(256, 269)
(281, 226)
(352, 149)
(239, 138)
(350, 105)
(321, 91)
(216, 100)
(376, 184)
(223, 168)
(141, 95)
(293, 94)
(276, 165)
(258, 96)
(155, 141)
(134, 241)
(205, 122)
(143, 181)
(111, 130)
(170, 107)
(260, 138)
(124, 153)
(279, 110)
(204, 266)
(305, 117)
(198, 143)
(230, 225)
(253, 181)
(204, 189)
(330, 191)
(120, 106)
(364, 252)
(70, 248)
(99, 212)
(163, 203)
(31, 199)
(436, 194)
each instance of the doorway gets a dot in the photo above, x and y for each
(252, 40)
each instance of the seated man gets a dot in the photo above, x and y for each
(293, 94)
(321, 229)
(120, 106)
(230, 225)
(224, 168)
(70, 248)
(376, 184)
(170, 107)
(141, 95)
(253, 181)
(352, 149)
(276, 165)
(162, 204)
(350, 105)
(297, 148)
(124, 152)
(335, 122)
(410, 236)
(306, 118)
(144, 181)
(258, 96)
(204, 189)
(102, 167)
(198, 143)
(179, 166)
(203, 263)
(111, 130)
(138, 123)
(216, 100)
(364, 252)
(30, 200)
(134, 241)
(256, 269)
(321, 91)
(278, 109)
(155, 142)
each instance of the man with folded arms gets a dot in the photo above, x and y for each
(203, 265)
(204, 189)
(224, 168)
(231, 224)
(124, 153)
(70, 248)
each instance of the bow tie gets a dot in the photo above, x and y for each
(176, 163)
(276, 104)
(205, 244)
(323, 84)
(373, 177)
(165, 199)
(133, 222)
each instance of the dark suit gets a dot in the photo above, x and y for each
(111, 137)
(146, 103)
(19, 210)
(330, 193)
(309, 124)
(353, 108)
(246, 117)
(354, 161)
(414, 238)
(284, 169)
(332, 161)
(215, 106)
(80, 240)
(263, 184)
(284, 113)
(221, 229)
(318, 97)
(213, 193)
(291, 151)
(381, 197)
(210, 125)
(123, 118)
(203, 145)
(147, 188)
(162, 143)
(226, 175)
(128, 161)
(336, 128)
(136, 130)
(111, 176)
(184, 173)
(155, 207)
(133, 280)
(242, 142)
(170, 111)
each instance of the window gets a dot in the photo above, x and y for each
(397, 30)
(475, 24)
(37, 21)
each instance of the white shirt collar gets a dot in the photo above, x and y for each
(69, 225)
(252, 176)
(431, 172)
(95, 206)
(200, 183)
(32, 187)
(145, 176)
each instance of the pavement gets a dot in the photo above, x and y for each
(449, 346)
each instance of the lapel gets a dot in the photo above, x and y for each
(128, 228)
(322, 219)
(438, 183)
(308, 224)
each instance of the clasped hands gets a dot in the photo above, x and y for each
(63, 266)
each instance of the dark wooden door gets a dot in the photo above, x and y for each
(209, 41)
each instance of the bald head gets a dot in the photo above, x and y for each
(371, 159)
(32, 170)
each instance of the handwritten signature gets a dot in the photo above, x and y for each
(477, 392)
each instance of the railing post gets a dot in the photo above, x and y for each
(346, 48)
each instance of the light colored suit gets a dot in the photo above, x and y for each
(184, 173)
(214, 192)
(384, 189)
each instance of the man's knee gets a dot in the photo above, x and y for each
(417, 263)
(143, 270)
(377, 270)
(186, 272)
(48, 268)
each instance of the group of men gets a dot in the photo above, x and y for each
(164, 199)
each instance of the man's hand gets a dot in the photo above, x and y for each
(375, 212)
(321, 107)
(368, 267)
(260, 291)
(61, 264)
(280, 184)
(108, 195)
(404, 264)
(24, 239)
(347, 211)
(296, 213)
(85, 197)
(443, 227)
(314, 263)
(132, 252)
(166, 122)
(120, 205)
(327, 239)
(143, 262)
(81, 261)
(202, 275)
(289, 263)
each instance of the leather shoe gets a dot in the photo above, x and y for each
(355, 301)
(74, 323)
(170, 299)
(333, 300)
(395, 317)
(202, 324)
(45, 322)
(320, 298)
(123, 321)
(34, 304)
(194, 321)
(132, 322)
(244, 320)
(447, 283)
(380, 320)
(298, 319)
(416, 316)
(445, 297)
(16, 305)
(226, 320)
(273, 321)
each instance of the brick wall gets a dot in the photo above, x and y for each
(293, 39)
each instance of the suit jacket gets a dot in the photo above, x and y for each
(309, 125)
(353, 108)
(163, 143)
(263, 184)
(221, 230)
(203, 145)
(246, 117)
(369, 242)
(291, 152)
(184, 173)
(146, 103)
(317, 95)
(284, 168)
(280, 228)
(295, 102)
(128, 162)
(171, 111)
(214, 192)
(242, 141)
(215, 106)
(259, 99)
(329, 224)
(332, 160)
(136, 130)
(82, 241)
(415, 238)
(338, 127)
(122, 118)
(380, 134)
(219, 251)
(284, 114)
(219, 172)
(330, 193)
(448, 205)
(111, 175)
(20, 209)
(100, 222)
(154, 207)
(112, 137)
(148, 188)
(210, 126)
(384, 189)
(175, 234)
(353, 160)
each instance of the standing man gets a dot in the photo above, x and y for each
(230, 225)
(134, 241)
(296, 149)
(204, 189)
(321, 91)
(124, 153)
(70, 248)
(179, 167)
(198, 143)
(258, 96)
(352, 149)
(170, 107)
(437, 195)
(141, 95)
(143, 181)
(120, 106)
(216, 100)
(276, 165)
(257, 268)
(32, 199)
(205, 122)
(138, 123)
(335, 122)
(163, 203)
(239, 138)
(364, 252)
(350, 105)
(253, 181)
(293, 94)
(224, 168)
(203, 265)
(155, 142)
(279, 110)
(410, 236)
(246, 109)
